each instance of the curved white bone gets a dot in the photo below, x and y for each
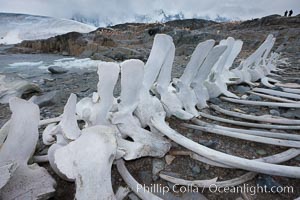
(133, 184)
(262, 103)
(263, 118)
(287, 136)
(234, 161)
(265, 140)
(248, 124)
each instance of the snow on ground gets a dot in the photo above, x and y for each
(15, 28)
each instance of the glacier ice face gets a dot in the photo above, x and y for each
(14, 28)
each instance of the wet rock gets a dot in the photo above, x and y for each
(268, 182)
(57, 70)
(15, 86)
(157, 166)
(275, 112)
(47, 99)
(253, 97)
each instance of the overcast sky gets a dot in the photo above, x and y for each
(119, 11)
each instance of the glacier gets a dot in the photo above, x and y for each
(14, 28)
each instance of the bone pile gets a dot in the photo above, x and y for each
(132, 125)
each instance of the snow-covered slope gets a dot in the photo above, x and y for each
(15, 28)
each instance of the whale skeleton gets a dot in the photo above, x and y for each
(116, 128)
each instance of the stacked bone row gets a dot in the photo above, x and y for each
(116, 128)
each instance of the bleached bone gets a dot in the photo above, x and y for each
(255, 67)
(49, 121)
(67, 130)
(27, 181)
(234, 161)
(256, 58)
(167, 92)
(96, 112)
(198, 183)
(262, 103)
(88, 160)
(262, 118)
(288, 85)
(197, 84)
(263, 133)
(145, 143)
(219, 77)
(150, 104)
(133, 184)
(277, 158)
(248, 124)
(291, 90)
(208, 183)
(185, 92)
(277, 93)
(265, 140)
(272, 97)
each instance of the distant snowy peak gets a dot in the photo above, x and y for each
(155, 16)
(14, 28)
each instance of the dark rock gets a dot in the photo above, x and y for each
(47, 99)
(86, 54)
(57, 70)
(99, 56)
(268, 182)
(253, 97)
(292, 113)
(275, 112)
(242, 89)
(153, 31)
(196, 169)
(157, 166)
(215, 101)
(209, 143)
(146, 176)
